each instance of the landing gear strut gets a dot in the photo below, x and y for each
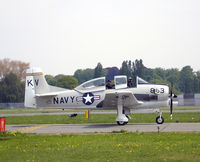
(121, 117)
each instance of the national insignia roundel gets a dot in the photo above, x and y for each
(88, 98)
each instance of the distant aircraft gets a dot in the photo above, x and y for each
(94, 95)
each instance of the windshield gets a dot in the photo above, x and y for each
(95, 83)
(92, 85)
(141, 81)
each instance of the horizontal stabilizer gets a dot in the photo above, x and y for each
(50, 94)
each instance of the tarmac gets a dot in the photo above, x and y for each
(102, 128)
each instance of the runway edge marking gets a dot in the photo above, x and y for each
(31, 128)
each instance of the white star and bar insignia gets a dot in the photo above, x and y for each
(88, 98)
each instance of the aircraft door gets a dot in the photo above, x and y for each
(120, 82)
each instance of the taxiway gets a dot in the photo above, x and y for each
(103, 128)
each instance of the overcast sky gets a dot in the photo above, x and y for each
(61, 36)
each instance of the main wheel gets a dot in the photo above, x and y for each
(159, 120)
(121, 123)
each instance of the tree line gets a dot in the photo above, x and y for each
(185, 80)
(12, 77)
(12, 80)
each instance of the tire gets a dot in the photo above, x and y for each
(159, 120)
(121, 123)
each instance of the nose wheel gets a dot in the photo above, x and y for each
(159, 120)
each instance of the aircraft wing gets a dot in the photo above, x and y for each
(128, 99)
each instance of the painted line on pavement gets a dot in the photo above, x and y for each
(31, 128)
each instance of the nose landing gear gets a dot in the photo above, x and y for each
(160, 119)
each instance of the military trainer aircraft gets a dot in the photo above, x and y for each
(94, 95)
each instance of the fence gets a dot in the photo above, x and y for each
(11, 105)
(189, 99)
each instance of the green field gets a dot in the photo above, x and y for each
(122, 146)
(99, 118)
(116, 146)
(31, 110)
(94, 118)
(48, 110)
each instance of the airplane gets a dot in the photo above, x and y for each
(93, 94)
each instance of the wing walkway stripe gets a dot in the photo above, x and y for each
(31, 128)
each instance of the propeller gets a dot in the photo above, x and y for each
(172, 95)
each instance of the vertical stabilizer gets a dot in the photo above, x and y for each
(39, 82)
(30, 100)
(35, 84)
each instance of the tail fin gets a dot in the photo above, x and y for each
(30, 100)
(36, 85)
(38, 81)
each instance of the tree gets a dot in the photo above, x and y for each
(12, 89)
(138, 68)
(196, 84)
(63, 81)
(99, 71)
(50, 80)
(173, 75)
(187, 80)
(160, 72)
(197, 81)
(159, 81)
(84, 75)
(17, 67)
(66, 81)
(126, 69)
(112, 71)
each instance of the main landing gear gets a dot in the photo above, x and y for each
(122, 114)
(121, 123)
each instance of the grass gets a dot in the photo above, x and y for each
(121, 146)
(183, 108)
(115, 146)
(100, 118)
(48, 110)
(30, 110)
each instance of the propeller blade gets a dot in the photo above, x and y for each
(171, 101)
(171, 107)
(171, 92)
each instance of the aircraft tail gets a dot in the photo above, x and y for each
(37, 86)
(30, 87)
(30, 100)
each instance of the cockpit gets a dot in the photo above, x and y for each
(99, 84)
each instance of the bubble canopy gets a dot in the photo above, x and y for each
(97, 84)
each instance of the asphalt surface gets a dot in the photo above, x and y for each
(102, 128)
